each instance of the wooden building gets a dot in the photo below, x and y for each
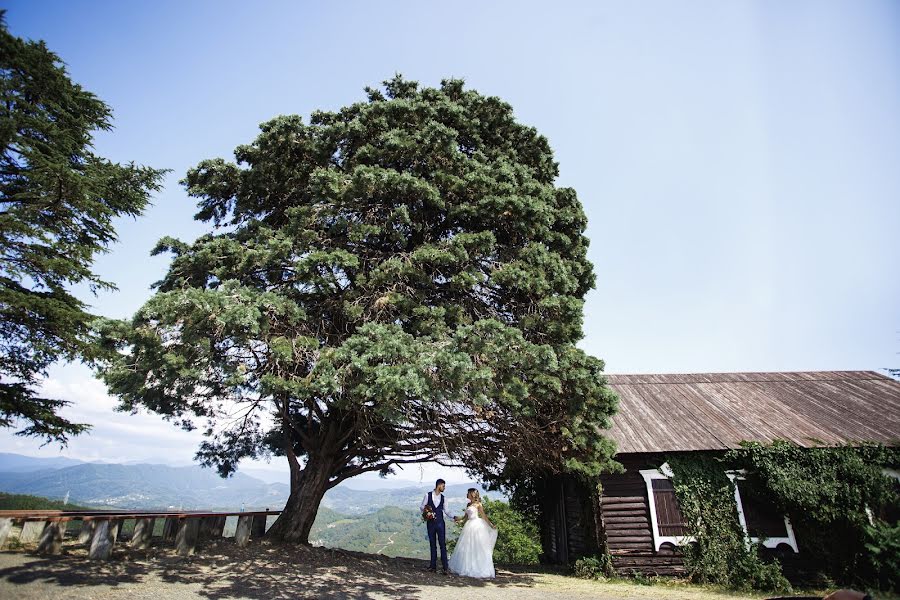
(636, 517)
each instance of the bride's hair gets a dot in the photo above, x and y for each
(475, 496)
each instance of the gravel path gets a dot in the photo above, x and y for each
(263, 571)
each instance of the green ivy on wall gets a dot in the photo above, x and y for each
(824, 491)
(720, 553)
(836, 499)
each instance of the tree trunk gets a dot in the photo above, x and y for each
(307, 489)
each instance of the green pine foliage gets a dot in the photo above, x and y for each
(396, 281)
(57, 204)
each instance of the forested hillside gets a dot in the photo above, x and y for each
(391, 531)
(26, 502)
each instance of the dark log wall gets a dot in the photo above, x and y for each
(626, 519)
(580, 519)
(626, 514)
(573, 527)
(569, 529)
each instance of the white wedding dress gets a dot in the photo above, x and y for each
(474, 552)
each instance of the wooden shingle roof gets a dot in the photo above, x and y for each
(708, 411)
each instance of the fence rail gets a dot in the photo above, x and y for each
(101, 529)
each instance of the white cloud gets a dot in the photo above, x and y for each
(115, 436)
(144, 437)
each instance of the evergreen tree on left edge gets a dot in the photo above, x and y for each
(57, 203)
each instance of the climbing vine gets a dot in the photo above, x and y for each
(841, 506)
(719, 553)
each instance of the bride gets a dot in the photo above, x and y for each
(474, 552)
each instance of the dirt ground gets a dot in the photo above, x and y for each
(263, 571)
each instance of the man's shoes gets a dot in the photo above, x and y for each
(445, 572)
(432, 569)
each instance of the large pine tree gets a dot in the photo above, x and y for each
(395, 282)
(57, 205)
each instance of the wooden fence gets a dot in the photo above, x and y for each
(100, 530)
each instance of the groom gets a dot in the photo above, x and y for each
(436, 530)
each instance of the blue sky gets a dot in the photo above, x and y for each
(737, 160)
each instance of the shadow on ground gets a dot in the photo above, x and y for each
(263, 571)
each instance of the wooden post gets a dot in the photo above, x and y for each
(242, 533)
(220, 526)
(87, 531)
(170, 529)
(5, 528)
(31, 531)
(52, 537)
(103, 539)
(211, 527)
(186, 539)
(143, 531)
(120, 530)
(258, 528)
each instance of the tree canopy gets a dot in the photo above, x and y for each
(394, 282)
(57, 205)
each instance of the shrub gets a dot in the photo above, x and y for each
(518, 538)
(589, 567)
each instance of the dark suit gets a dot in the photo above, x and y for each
(437, 533)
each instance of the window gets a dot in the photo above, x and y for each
(890, 513)
(666, 521)
(761, 522)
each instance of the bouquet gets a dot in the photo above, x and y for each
(428, 514)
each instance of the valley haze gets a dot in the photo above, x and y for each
(157, 486)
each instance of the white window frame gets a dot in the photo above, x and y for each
(772, 542)
(663, 472)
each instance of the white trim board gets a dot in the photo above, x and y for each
(772, 542)
(663, 472)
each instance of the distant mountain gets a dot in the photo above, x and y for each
(16, 463)
(268, 475)
(360, 502)
(145, 486)
(377, 483)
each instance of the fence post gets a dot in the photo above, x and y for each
(258, 528)
(211, 527)
(170, 529)
(143, 531)
(87, 530)
(52, 537)
(103, 539)
(242, 533)
(186, 539)
(31, 531)
(5, 527)
(220, 526)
